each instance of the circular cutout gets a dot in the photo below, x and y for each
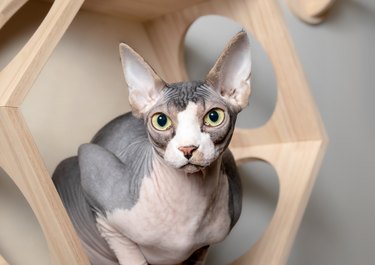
(21, 238)
(260, 195)
(205, 40)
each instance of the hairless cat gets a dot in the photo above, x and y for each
(159, 185)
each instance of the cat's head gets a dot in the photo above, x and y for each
(191, 123)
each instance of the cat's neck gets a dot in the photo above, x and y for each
(206, 180)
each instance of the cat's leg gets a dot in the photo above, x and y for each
(198, 257)
(126, 251)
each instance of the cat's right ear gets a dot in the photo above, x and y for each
(144, 84)
(231, 74)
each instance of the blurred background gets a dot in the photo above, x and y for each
(80, 89)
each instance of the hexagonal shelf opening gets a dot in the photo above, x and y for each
(292, 141)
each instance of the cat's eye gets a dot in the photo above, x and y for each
(214, 117)
(161, 122)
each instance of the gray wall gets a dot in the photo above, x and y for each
(339, 63)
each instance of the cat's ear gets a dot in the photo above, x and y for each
(143, 83)
(231, 73)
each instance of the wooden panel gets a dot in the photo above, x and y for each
(18, 76)
(296, 165)
(3, 261)
(19, 156)
(137, 10)
(20, 159)
(310, 11)
(293, 140)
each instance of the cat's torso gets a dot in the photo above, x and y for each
(174, 214)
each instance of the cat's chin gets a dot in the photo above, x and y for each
(191, 168)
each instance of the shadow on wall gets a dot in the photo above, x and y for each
(16, 32)
(354, 8)
(21, 238)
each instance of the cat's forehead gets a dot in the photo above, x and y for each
(178, 95)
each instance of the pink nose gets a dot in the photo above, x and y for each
(188, 150)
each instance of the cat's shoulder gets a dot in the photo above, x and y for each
(123, 136)
(125, 125)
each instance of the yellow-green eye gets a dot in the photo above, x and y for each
(161, 122)
(214, 117)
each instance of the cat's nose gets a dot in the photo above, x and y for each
(188, 150)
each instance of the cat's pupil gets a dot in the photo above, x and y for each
(214, 116)
(162, 120)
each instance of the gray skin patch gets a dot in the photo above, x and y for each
(179, 94)
(115, 163)
(68, 183)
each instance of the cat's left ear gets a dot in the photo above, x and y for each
(143, 83)
(230, 76)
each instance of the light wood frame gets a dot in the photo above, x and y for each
(3, 261)
(293, 141)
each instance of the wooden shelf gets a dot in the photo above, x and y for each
(293, 141)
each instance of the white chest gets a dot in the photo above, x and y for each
(175, 215)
